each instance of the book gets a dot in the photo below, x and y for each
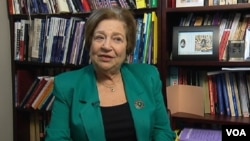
(244, 100)
(24, 40)
(147, 34)
(49, 106)
(62, 6)
(17, 34)
(204, 84)
(221, 107)
(225, 94)
(140, 4)
(44, 92)
(196, 134)
(155, 37)
(131, 4)
(24, 80)
(235, 94)
(35, 93)
(154, 3)
(173, 76)
(86, 5)
(211, 93)
(32, 127)
(11, 7)
(139, 23)
(37, 23)
(45, 103)
(29, 92)
(230, 93)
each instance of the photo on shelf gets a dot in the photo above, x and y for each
(195, 43)
(236, 50)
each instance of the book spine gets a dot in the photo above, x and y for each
(225, 95)
(230, 94)
(35, 93)
(86, 5)
(244, 101)
(155, 37)
(11, 7)
(140, 4)
(211, 95)
(220, 95)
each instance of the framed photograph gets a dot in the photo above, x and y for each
(236, 50)
(189, 3)
(196, 43)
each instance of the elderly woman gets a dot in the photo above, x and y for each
(109, 100)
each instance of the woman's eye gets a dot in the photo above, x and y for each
(118, 39)
(98, 38)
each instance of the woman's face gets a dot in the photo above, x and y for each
(108, 47)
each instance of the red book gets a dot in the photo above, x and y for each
(24, 80)
(35, 93)
(223, 44)
(86, 5)
(29, 93)
(11, 7)
(173, 3)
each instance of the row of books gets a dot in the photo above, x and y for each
(51, 40)
(226, 92)
(232, 27)
(37, 95)
(229, 93)
(61, 40)
(73, 6)
(181, 3)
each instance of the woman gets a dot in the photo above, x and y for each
(109, 100)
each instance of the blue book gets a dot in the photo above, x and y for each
(232, 80)
(42, 42)
(225, 95)
(220, 95)
(138, 40)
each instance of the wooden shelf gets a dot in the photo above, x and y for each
(210, 8)
(208, 63)
(210, 119)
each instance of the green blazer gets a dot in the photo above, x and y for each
(76, 114)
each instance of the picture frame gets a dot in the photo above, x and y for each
(189, 3)
(195, 43)
(236, 50)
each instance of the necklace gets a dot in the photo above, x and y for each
(110, 86)
(112, 89)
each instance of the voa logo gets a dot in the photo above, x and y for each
(236, 132)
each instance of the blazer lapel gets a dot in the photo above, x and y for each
(137, 101)
(90, 112)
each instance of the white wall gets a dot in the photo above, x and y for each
(6, 120)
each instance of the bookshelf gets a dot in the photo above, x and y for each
(171, 17)
(29, 123)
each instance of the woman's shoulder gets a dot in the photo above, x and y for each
(74, 74)
(140, 67)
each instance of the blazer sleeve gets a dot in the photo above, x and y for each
(162, 128)
(58, 128)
